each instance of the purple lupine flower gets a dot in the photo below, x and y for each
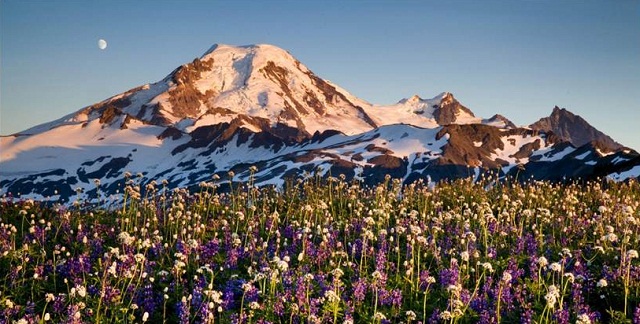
(232, 257)
(147, 299)
(562, 316)
(384, 296)
(59, 304)
(278, 306)
(491, 252)
(486, 317)
(381, 256)
(209, 250)
(315, 305)
(359, 290)
(435, 317)
(449, 276)
(396, 297)
(533, 267)
(182, 310)
(479, 305)
(251, 294)
(301, 292)
(73, 314)
(232, 293)
(424, 280)
(531, 244)
(30, 308)
(526, 317)
(519, 246)
(228, 300)
(197, 296)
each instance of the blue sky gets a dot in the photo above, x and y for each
(516, 58)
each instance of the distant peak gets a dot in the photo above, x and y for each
(574, 129)
(562, 113)
(445, 97)
(500, 118)
(415, 98)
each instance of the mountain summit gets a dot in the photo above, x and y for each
(573, 128)
(241, 106)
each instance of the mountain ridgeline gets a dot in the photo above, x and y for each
(241, 106)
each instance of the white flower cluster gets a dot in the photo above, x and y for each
(583, 319)
(552, 296)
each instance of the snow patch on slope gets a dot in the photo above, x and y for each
(621, 176)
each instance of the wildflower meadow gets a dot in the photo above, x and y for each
(327, 250)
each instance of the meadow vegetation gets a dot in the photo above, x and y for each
(323, 250)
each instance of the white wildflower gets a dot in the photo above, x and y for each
(331, 296)
(570, 276)
(464, 255)
(379, 316)
(542, 261)
(446, 315)
(506, 277)
(583, 319)
(552, 296)
(81, 290)
(555, 267)
(611, 237)
(602, 283)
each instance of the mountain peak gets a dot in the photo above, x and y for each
(261, 52)
(247, 82)
(500, 121)
(574, 129)
(450, 111)
(414, 99)
(561, 111)
(219, 46)
(445, 98)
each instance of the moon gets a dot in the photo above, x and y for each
(102, 44)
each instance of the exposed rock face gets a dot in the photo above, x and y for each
(449, 110)
(573, 128)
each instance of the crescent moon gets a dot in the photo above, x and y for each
(102, 44)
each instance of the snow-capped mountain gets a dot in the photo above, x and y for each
(238, 106)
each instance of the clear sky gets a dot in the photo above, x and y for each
(516, 58)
